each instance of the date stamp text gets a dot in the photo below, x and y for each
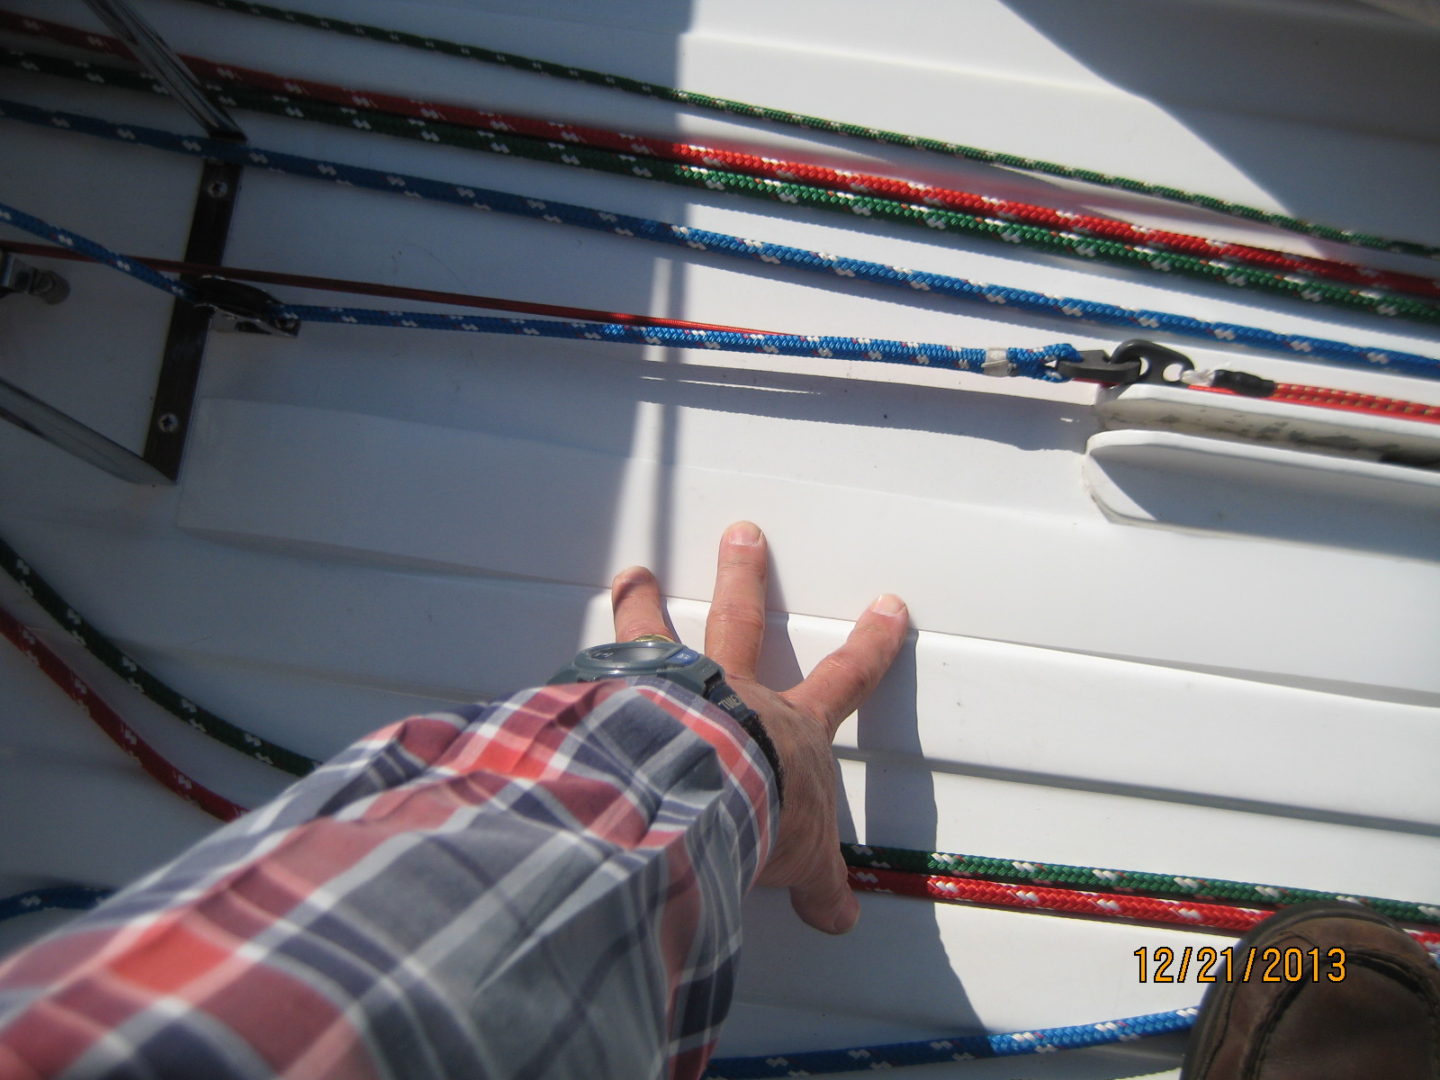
(1272, 965)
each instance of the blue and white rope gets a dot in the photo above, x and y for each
(1030, 362)
(1034, 363)
(75, 242)
(67, 897)
(957, 1048)
(733, 246)
(98, 252)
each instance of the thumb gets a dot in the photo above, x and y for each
(825, 900)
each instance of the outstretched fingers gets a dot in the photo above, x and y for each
(825, 900)
(846, 677)
(736, 625)
(639, 607)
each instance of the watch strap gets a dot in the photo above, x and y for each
(755, 728)
(684, 667)
(721, 694)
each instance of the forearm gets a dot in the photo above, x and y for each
(550, 884)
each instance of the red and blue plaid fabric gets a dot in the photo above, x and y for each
(545, 886)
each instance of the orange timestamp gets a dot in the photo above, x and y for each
(1272, 965)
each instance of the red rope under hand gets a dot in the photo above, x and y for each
(1190, 915)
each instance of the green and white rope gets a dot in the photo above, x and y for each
(140, 678)
(916, 215)
(1174, 886)
(788, 118)
(735, 247)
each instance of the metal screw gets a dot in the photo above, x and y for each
(169, 423)
(217, 189)
(49, 287)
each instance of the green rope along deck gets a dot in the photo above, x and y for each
(713, 103)
(139, 678)
(1176, 886)
(786, 192)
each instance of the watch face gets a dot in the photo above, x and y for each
(636, 655)
(664, 659)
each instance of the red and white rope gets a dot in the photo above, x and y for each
(1191, 915)
(109, 721)
(1344, 400)
(755, 165)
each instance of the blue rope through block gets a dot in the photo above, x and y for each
(733, 246)
(1031, 362)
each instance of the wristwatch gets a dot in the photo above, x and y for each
(681, 665)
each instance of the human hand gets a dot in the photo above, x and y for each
(801, 721)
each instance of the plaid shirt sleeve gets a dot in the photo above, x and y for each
(545, 886)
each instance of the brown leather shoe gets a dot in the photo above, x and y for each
(1375, 1015)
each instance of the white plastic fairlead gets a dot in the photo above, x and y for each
(1166, 478)
(1272, 423)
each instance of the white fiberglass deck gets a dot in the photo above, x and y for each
(1237, 679)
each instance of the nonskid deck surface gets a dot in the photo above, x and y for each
(1229, 682)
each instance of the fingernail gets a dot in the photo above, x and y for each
(846, 920)
(632, 575)
(887, 604)
(744, 533)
